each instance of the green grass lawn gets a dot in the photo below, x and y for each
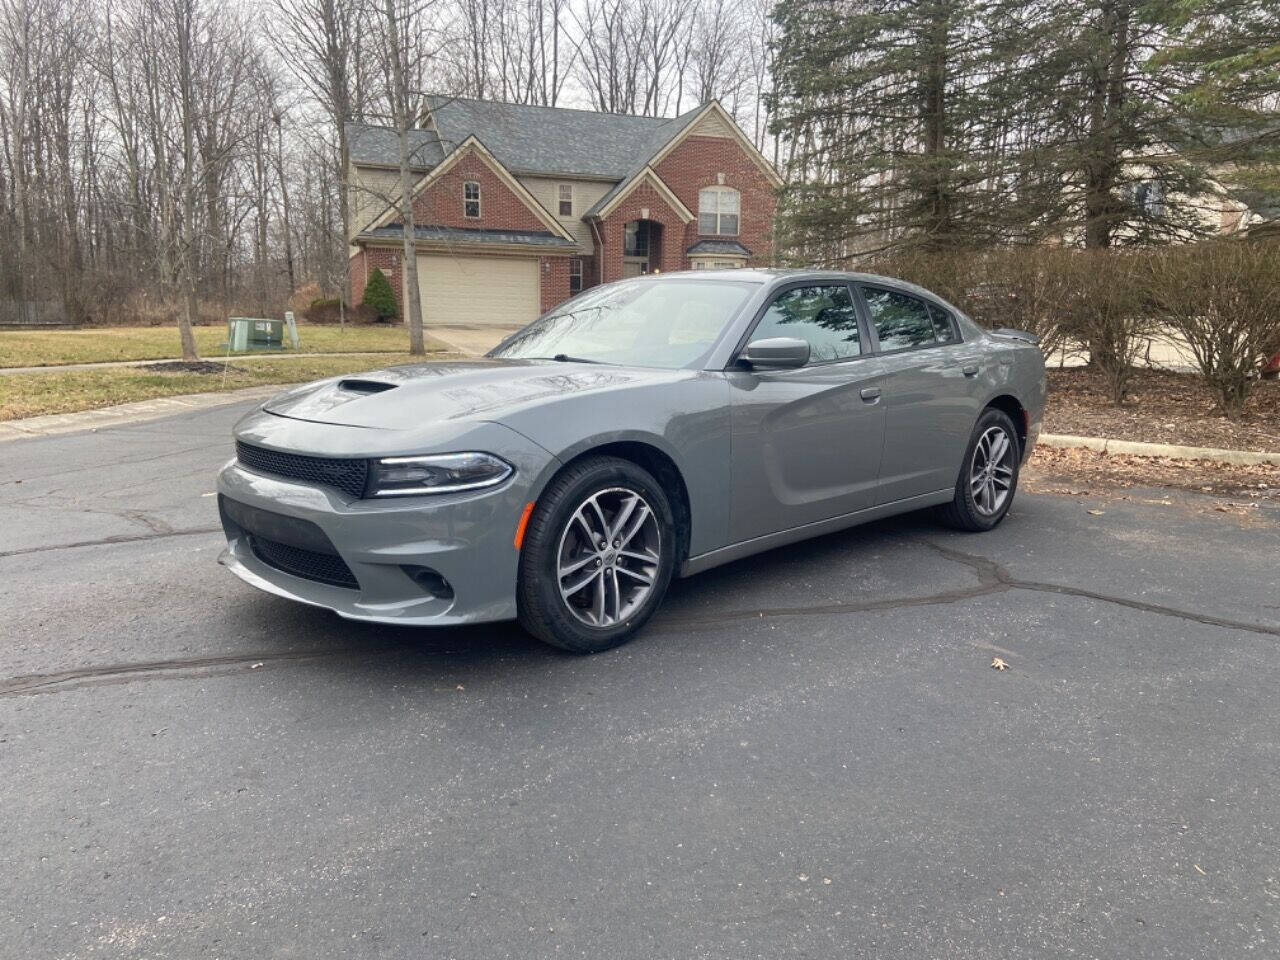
(66, 391)
(38, 348)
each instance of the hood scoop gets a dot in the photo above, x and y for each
(364, 387)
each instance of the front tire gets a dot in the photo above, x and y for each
(988, 475)
(597, 556)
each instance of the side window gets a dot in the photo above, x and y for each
(944, 327)
(901, 321)
(821, 314)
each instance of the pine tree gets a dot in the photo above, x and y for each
(379, 296)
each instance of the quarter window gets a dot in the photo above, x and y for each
(821, 314)
(575, 275)
(944, 330)
(718, 209)
(566, 199)
(471, 200)
(901, 322)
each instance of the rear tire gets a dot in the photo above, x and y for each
(988, 475)
(597, 556)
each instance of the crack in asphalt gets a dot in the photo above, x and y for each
(987, 568)
(992, 578)
(159, 531)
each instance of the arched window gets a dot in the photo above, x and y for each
(718, 209)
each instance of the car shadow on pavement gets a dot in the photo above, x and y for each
(871, 563)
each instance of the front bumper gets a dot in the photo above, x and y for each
(465, 538)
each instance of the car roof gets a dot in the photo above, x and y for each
(775, 276)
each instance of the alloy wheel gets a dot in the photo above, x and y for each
(991, 473)
(608, 556)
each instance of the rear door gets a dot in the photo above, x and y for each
(806, 441)
(932, 392)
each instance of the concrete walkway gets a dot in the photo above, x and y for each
(472, 340)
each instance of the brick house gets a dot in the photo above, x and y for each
(519, 207)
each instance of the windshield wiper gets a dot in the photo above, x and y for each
(565, 358)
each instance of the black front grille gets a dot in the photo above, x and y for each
(349, 476)
(323, 567)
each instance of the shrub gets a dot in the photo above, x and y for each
(379, 296)
(327, 310)
(1223, 298)
(1103, 306)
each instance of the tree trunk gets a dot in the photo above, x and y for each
(403, 116)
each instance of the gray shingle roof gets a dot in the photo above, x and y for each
(465, 235)
(719, 246)
(526, 139)
(380, 146)
(530, 139)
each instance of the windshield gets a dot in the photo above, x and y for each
(642, 323)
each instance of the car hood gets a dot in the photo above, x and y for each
(403, 398)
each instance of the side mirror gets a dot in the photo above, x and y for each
(776, 353)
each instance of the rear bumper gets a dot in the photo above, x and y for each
(467, 539)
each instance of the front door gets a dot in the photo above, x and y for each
(806, 442)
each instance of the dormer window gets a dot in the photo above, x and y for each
(471, 200)
(718, 209)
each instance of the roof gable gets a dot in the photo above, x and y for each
(471, 146)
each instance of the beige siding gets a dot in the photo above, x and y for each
(711, 126)
(502, 291)
(371, 190)
(585, 195)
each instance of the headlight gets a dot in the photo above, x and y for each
(443, 473)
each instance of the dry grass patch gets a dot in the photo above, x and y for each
(36, 348)
(69, 391)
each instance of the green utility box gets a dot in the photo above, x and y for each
(266, 334)
(251, 333)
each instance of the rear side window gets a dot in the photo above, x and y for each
(901, 322)
(821, 314)
(944, 328)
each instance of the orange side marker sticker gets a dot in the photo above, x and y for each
(524, 522)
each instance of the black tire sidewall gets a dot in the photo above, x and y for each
(541, 609)
(964, 502)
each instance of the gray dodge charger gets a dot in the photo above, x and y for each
(646, 429)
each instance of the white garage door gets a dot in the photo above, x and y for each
(482, 290)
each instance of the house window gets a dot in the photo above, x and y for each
(718, 209)
(636, 239)
(566, 199)
(575, 276)
(471, 200)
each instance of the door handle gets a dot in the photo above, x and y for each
(970, 369)
(870, 394)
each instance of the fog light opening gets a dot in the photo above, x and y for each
(430, 581)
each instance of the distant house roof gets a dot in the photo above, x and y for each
(380, 146)
(722, 247)
(526, 139)
(467, 235)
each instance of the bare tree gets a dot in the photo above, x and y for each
(403, 50)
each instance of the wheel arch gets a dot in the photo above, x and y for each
(1009, 404)
(651, 457)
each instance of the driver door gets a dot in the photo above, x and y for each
(807, 441)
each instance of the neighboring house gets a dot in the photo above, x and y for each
(517, 208)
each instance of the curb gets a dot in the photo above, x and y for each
(136, 412)
(1245, 458)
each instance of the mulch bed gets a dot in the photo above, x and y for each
(1163, 407)
(183, 366)
(1075, 465)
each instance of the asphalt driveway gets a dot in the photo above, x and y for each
(808, 753)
